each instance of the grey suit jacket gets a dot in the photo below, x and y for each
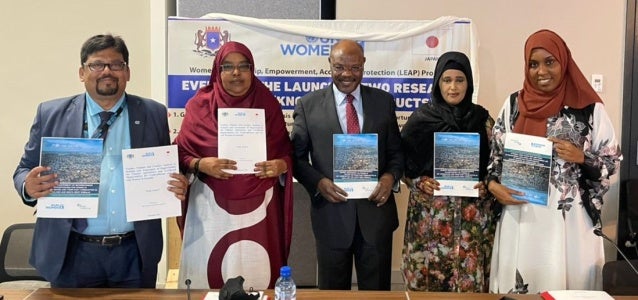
(65, 118)
(315, 121)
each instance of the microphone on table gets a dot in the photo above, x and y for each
(599, 232)
(188, 288)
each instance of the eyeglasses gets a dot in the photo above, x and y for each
(99, 66)
(341, 69)
(228, 68)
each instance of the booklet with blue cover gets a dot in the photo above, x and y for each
(456, 163)
(527, 162)
(356, 163)
(77, 162)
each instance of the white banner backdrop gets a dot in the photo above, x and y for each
(291, 56)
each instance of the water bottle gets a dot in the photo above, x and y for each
(285, 288)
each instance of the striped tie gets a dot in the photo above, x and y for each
(352, 120)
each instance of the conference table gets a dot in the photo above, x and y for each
(147, 294)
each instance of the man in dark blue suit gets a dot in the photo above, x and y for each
(346, 228)
(106, 251)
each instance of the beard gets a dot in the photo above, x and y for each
(107, 89)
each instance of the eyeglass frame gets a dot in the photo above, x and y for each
(92, 66)
(340, 69)
(230, 68)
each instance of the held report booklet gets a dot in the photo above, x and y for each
(77, 162)
(356, 163)
(242, 137)
(527, 162)
(456, 163)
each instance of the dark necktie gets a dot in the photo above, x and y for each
(352, 120)
(103, 128)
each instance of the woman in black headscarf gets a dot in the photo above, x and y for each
(447, 238)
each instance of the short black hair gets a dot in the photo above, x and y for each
(100, 42)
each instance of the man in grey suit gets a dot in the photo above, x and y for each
(346, 228)
(106, 251)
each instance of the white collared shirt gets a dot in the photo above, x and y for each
(340, 103)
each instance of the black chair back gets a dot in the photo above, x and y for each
(15, 248)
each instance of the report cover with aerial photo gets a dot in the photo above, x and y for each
(77, 162)
(527, 161)
(456, 163)
(356, 163)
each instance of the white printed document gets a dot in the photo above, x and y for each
(456, 163)
(146, 175)
(242, 137)
(77, 162)
(575, 295)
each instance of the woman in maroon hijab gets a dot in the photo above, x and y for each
(234, 224)
(539, 248)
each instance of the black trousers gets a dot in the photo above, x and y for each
(373, 264)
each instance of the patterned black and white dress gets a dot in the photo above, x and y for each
(554, 247)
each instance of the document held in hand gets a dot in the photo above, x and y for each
(356, 163)
(242, 137)
(456, 163)
(527, 162)
(77, 162)
(146, 175)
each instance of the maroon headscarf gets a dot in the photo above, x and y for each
(574, 90)
(198, 134)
